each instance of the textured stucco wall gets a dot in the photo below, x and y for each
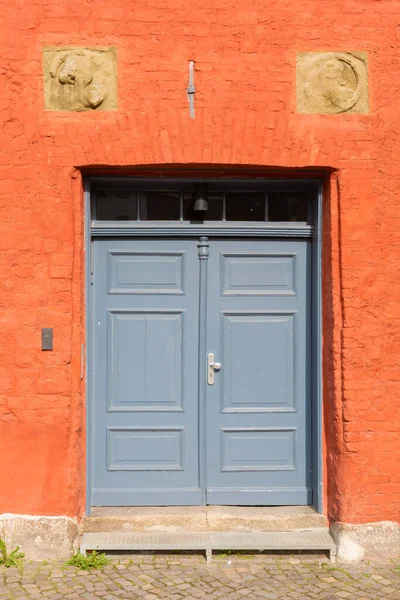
(245, 55)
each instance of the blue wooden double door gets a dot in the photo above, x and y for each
(201, 372)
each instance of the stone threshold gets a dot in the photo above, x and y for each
(181, 519)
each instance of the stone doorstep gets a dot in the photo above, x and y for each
(207, 541)
(206, 528)
(181, 519)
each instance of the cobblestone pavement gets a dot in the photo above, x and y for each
(231, 577)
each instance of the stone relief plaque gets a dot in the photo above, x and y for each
(332, 82)
(78, 79)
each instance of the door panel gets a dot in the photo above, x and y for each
(258, 418)
(246, 381)
(145, 373)
(135, 339)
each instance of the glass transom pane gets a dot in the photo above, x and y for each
(115, 205)
(160, 206)
(287, 206)
(214, 212)
(245, 206)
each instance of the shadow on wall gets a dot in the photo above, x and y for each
(332, 318)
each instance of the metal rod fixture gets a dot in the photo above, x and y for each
(191, 89)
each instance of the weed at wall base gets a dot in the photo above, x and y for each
(87, 562)
(10, 559)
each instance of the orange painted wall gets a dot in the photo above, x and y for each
(245, 55)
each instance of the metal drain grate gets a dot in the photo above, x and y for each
(209, 541)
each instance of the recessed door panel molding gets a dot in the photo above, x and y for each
(261, 380)
(145, 272)
(140, 376)
(258, 449)
(264, 273)
(145, 449)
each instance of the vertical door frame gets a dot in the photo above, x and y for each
(317, 480)
(88, 249)
(316, 329)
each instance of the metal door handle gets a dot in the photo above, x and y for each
(211, 368)
(216, 365)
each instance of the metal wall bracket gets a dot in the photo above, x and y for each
(191, 90)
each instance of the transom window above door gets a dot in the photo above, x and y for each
(201, 202)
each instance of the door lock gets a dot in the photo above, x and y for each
(211, 368)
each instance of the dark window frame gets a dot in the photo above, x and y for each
(223, 187)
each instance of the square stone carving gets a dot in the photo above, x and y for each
(332, 82)
(77, 79)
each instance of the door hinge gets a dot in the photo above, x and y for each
(91, 267)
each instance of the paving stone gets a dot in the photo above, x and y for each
(181, 577)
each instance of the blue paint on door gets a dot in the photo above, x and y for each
(258, 410)
(145, 324)
(147, 446)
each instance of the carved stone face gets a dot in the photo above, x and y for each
(76, 72)
(80, 79)
(337, 83)
(329, 82)
(75, 68)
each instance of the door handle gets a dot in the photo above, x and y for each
(211, 368)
